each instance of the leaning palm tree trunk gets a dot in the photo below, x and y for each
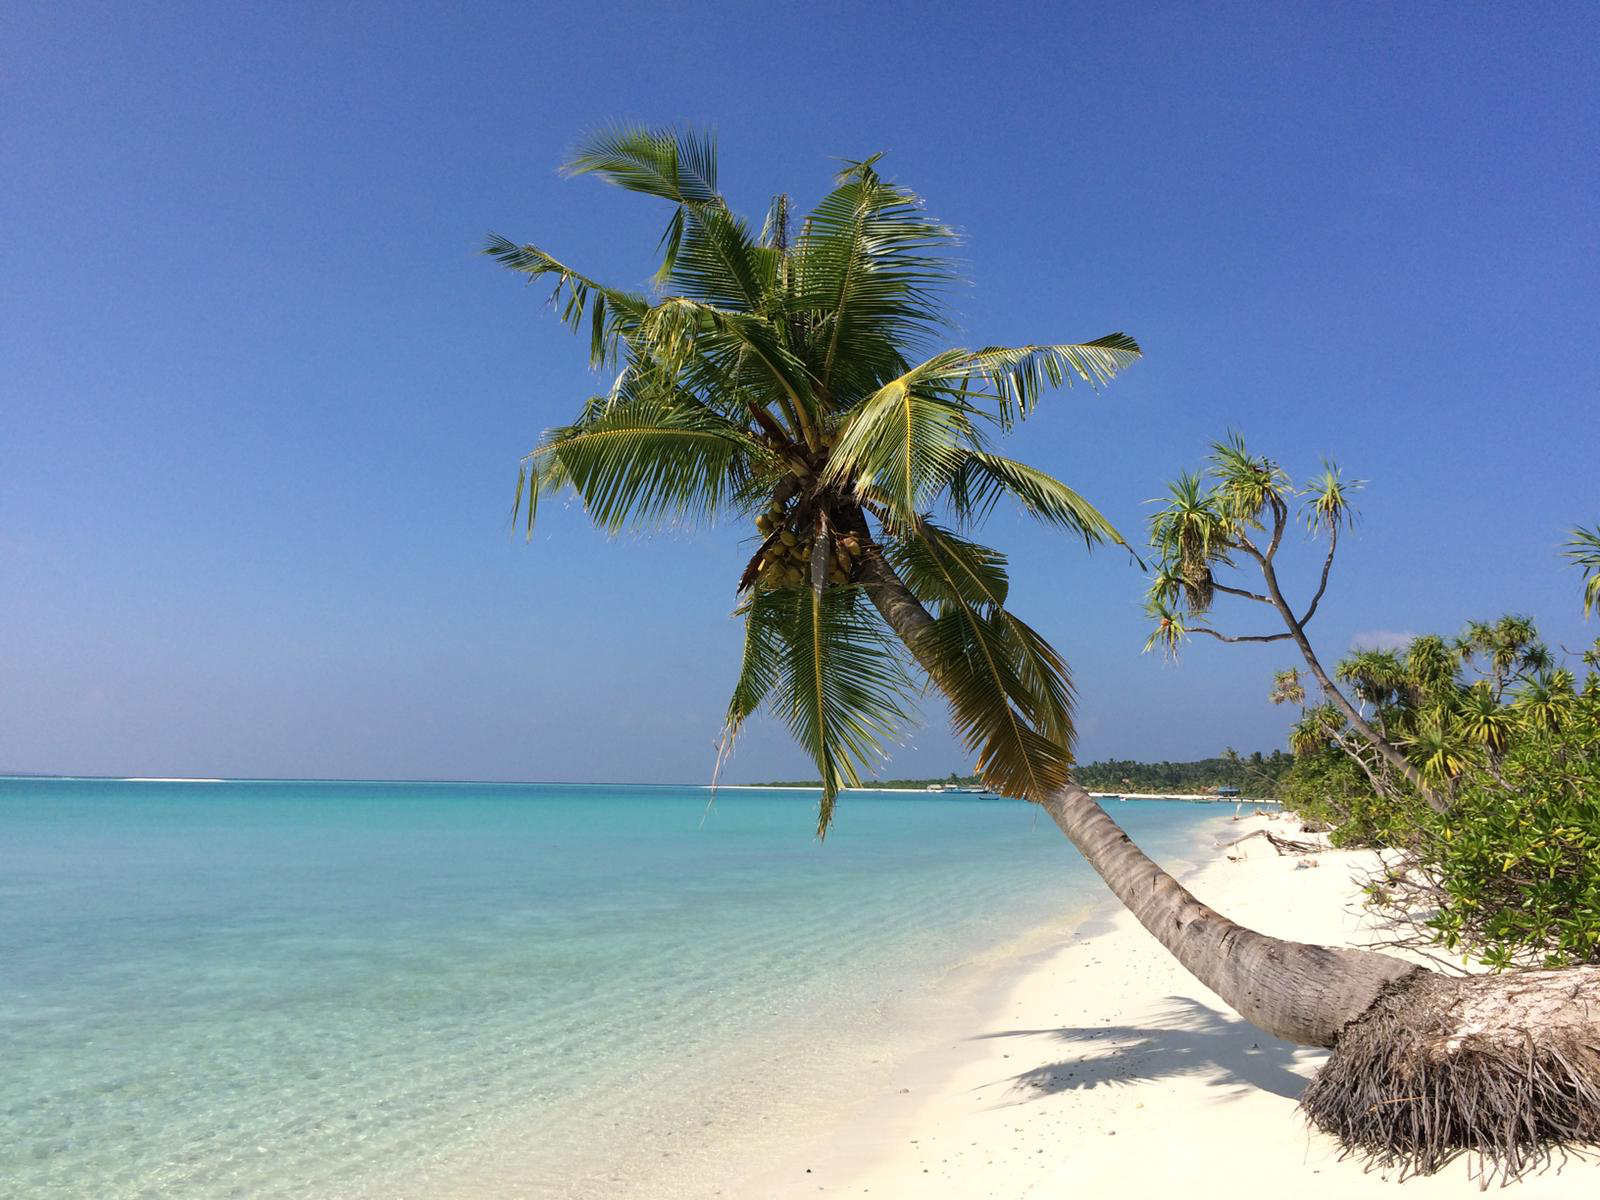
(1424, 1066)
(1299, 992)
(1302, 993)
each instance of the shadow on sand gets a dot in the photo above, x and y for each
(1189, 1038)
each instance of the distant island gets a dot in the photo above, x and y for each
(1256, 775)
(887, 785)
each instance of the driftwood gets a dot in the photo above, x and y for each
(1282, 845)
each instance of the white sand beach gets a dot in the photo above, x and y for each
(1107, 1070)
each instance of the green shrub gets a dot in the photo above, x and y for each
(1328, 791)
(1509, 741)
(1516, 862)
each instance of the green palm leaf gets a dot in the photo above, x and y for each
(903, 444)
(1015, 376)
(611, 314)
(825, 666)
(983, 478)
(941, 567)
(676, 165)
(983, 653)
(870, 264)
(642, 458)
(977, 672)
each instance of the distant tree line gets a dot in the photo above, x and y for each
(1255, 775)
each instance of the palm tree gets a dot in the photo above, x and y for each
(794, 378)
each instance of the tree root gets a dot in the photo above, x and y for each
(1506, 1067)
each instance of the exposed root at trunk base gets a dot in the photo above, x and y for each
(1503, 1066)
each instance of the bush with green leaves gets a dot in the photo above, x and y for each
(1509, 871)
(1329, 793)
(1499, 848)
(1515, 864)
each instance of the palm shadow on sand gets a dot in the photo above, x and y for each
(1190, 1038)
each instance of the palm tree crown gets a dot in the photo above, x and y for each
(795, 377)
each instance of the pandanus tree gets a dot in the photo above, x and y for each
(792, 377)
(1584, 551)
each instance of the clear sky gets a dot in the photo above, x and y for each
(261, 402)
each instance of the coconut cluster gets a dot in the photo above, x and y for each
(786, 562)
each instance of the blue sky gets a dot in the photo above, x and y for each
(262, 402)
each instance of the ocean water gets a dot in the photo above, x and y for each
(310, 989)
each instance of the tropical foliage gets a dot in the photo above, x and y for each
(1508, 869)
(1230, 518)
(1584, 551)
(794, 378)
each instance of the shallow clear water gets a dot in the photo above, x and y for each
(360, 989)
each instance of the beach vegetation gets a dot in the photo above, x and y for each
(1509, 871)
(1472, 760)
(794, 380)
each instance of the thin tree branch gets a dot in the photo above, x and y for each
(1327, 563)
(1259, 637)
(1233, 591)
(1388, 751)
(1280, 521)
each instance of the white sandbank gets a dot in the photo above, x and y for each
(1109, 1071)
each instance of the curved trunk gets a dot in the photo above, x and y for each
(1292, 990)
(1299, 992)
(1423, 1065)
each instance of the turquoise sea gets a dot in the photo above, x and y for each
(309, 989)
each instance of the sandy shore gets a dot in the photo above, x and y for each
(1107, 1070)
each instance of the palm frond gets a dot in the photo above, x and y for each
(718, 259)
(610, 313)
(977, 669)
(676, 165)
(714, 351)
(1171, 626)
(642, 457)
(940, 567)
(828, 669)
(1245, 481)
(1016, 376)
(1328, 499)
(1003, 656)
(870, 268)
(903, 443)
(983, 478)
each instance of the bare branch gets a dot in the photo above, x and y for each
(1222, 637)
(1280, 521)
(1242, 540)
(1233, 591)
(1327, 563)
